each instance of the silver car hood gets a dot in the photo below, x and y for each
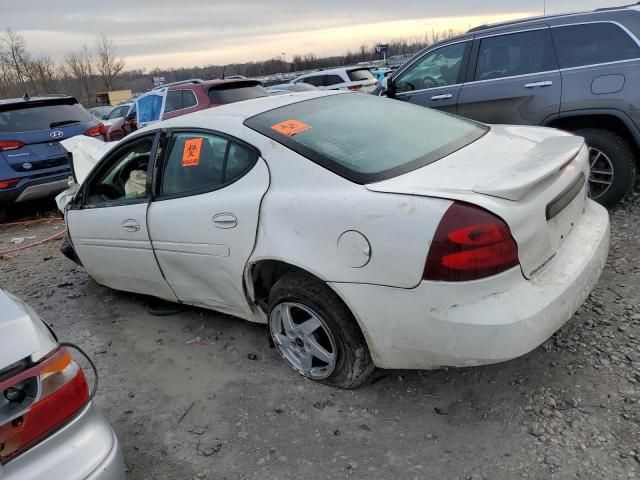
(22, 333)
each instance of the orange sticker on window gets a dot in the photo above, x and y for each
(191, 152)
(291, 127)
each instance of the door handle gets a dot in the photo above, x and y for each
(130, 225)
(547, 83)
(225, 220)
(444, 96)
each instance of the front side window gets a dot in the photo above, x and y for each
(438, 68)
(118, 112)
(124, 177)
(200, 162)
(515, 54)
(593, 43)
(365, 138)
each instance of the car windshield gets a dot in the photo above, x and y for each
(32, 117)
(235, 92)
(360, 75)
(366, 138)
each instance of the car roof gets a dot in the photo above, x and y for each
(206, 84)
(547, 18)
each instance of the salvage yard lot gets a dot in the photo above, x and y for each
(201, 395)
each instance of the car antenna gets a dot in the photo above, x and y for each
(26, 97)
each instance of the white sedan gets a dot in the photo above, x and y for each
(366, 232)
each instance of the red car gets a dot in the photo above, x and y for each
(193, 95)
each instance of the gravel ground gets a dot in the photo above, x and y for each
(201, 395)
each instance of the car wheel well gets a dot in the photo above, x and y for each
(603, 121)
(265, 274)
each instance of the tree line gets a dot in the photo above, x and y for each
(98, 67)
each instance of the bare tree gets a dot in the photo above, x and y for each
(14, 54)
(79, 66)
(44, 71)
(108, 64)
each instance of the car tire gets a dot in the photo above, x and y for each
(617, 156)
(310, 300)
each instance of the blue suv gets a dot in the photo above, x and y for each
(32, 162)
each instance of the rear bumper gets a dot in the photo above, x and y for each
(481, 322)
(85, 449)
(33, 189)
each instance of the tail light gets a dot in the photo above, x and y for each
(99, 131)
(355, 88)
(4, 184)
(37, 401)
(10, 145)
(470, 243)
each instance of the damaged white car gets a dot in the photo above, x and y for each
(366, 232)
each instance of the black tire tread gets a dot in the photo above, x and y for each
(303, 288)
(622, 156)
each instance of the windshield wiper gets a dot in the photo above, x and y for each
(63, 122)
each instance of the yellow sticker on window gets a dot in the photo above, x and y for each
(291, 127)
(191, 152)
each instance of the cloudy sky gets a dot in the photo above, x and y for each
(175, 33)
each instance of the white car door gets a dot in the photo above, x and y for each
(204, 218)
(107, 222)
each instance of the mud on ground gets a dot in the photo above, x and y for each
(201, 395)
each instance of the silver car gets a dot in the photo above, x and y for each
(49, 428)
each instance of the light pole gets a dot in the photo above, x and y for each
(544, 6)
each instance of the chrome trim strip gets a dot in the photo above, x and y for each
(524, 75)
(568, 69)
(511, 32)
(422, 90)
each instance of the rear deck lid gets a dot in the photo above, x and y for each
(533, 178)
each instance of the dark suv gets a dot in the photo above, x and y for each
(32, 163)
(577, 72)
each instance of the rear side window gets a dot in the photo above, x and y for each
(593, 43)
(330, 80)
(201, 162)
(31, 117)
(515, 54)
(365, 138)
(236, 92)
(316, 80)
(360, 75)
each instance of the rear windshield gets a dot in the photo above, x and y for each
(366, 138)
(360, 75)
(235, 92)
(31, 117)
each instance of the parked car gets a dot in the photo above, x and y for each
(32, 163)
(365, 231)
(576, 72)
(49, 427)
(291, 88)
(100, 112)
(117, 113)
(358, 79)
(190, 96)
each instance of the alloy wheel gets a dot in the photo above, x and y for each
(303, 339)
(601, 176)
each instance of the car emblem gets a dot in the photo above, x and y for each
(27, 166)
(57, 134)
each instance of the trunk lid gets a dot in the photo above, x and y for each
(533, 178)
(22, 333)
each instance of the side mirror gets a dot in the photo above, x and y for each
(390, 87)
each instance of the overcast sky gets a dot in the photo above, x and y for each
(175, 33)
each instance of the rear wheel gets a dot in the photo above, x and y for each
(315, 333)
(613, 165)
